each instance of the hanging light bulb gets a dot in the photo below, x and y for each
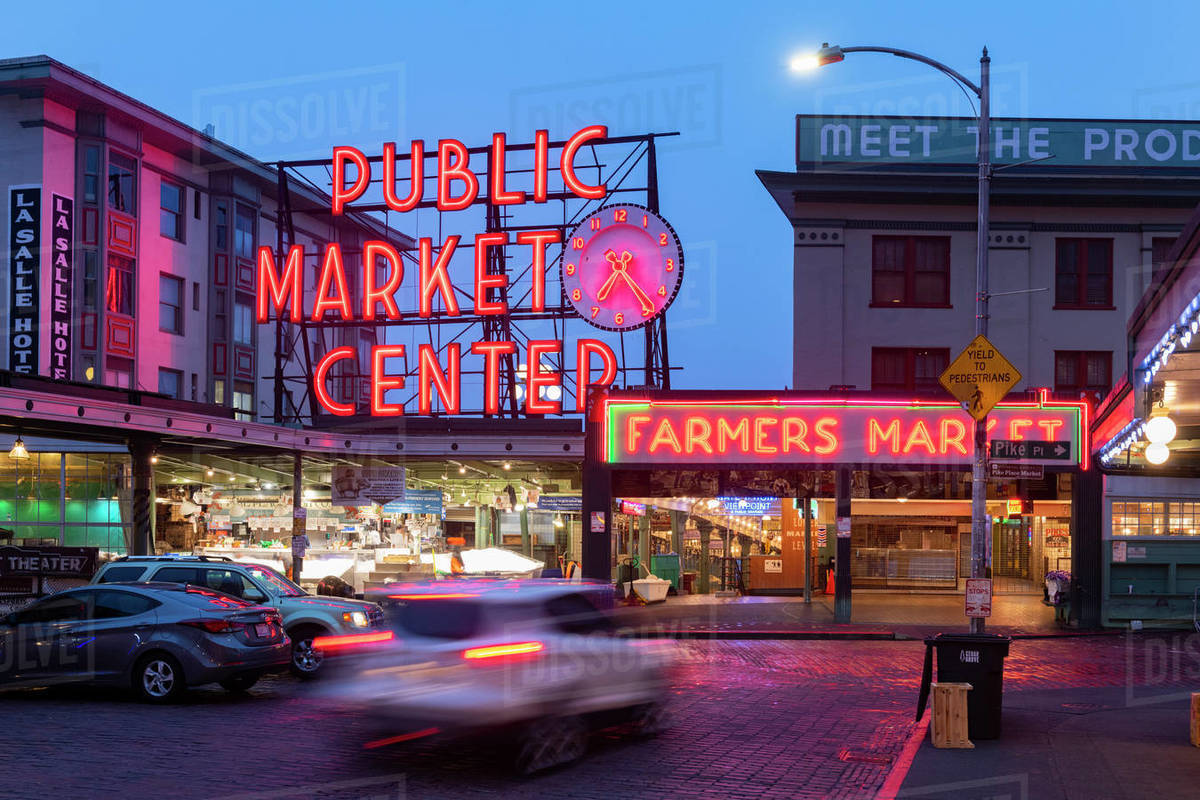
(1160, 430)
(1157, 453)
(558, 520)
(18, 449)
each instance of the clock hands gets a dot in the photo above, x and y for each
(620, 269)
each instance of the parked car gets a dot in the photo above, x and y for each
(158, 638)
(305, 616)
(541, 659)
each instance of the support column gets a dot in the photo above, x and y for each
(678, 520)
(141, 451)
(807, 549)
(841, 595)
(644, 541)
(476, 539)
(299, 515)
(526, 544)
(705, 529)
(1088, 557)
(596, 538)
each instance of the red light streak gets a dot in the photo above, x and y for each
(404, 737)
(352, 639)
(502, 650)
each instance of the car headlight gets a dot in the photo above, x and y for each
(357, 619)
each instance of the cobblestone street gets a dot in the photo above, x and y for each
(752, 719)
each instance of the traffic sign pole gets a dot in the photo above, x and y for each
(979, 467)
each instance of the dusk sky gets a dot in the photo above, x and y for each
(464, 70)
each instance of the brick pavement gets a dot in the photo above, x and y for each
(772, 719)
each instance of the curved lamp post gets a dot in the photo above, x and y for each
(832, 55)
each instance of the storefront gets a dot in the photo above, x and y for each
(887, 483)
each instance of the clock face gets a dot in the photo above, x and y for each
(622, 267)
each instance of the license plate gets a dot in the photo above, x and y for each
(262, 631)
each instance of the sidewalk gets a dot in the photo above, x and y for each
(1085, 743)
(874, 614)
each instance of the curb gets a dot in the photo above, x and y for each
(733, 635)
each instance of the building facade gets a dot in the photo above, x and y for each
(883, 213)
(155, 291)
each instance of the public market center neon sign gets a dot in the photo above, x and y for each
(775, 431)
(280, 284)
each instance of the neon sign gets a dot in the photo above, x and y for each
(381, 273)
(824, 431)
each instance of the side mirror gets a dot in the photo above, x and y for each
(254, 595)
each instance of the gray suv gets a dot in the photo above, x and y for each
(305, 616)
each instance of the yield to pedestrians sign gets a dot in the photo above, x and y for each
(980, 377)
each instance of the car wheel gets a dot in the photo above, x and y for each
(158, 678)
(550, 742)
(239, 683)
(651, 719)
(306, 659)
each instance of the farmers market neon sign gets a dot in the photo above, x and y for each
(808, 431)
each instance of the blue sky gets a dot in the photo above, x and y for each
(715, 71)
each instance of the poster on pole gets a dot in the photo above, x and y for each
(843, 527)
(979, 597)
(364, 486)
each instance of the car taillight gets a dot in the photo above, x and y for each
(352, 640)
(501, 651)
(215, 625)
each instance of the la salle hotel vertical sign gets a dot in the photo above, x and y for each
(24, 221)
(62, 238)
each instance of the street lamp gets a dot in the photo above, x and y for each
(831, 55)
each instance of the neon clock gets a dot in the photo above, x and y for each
(622, 267)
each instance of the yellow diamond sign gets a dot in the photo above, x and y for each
(980, 377)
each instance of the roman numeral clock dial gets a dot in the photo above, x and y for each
(622, 267)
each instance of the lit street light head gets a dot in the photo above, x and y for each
(806, 62)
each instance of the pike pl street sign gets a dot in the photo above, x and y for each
(980, 377)
(1025, 450)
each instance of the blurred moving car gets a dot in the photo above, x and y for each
(158, 638)
(305, 616)
(539, 658)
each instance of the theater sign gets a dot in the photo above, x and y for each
(774, 431)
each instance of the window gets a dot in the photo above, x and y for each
(118, 285)
(910, 271)
(222, 227)
(195, 387)
(195, 296)
(1159, 247)
(907, 369)
(1156, 518)
(91, 271)
(243, 232)
(243, 323)
(231, 582)
(196, 203)
(121, 574)
(1083, 273)
(1078, 371)
(573, 613)
(170, 382)
(61, 608)
(170, 216)
(220, 317)
(170, 303)
(113, 605)
(243, 401)
(118, 372)
(122, 183)
(91, 174)
(219, 392)
(176, 575)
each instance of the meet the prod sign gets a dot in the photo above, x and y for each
(381, 274)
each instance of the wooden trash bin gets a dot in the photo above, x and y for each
(1195, 720)
(948, 726)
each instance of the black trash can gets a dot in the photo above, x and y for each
(977, 659)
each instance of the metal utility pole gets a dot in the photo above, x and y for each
(979, 464)
(832, 55)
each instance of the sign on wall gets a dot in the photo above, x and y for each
(66, 562)
(417, 501)
(364, 486)
(62, 248)
(828, 140)
(806, 431)
(24, 238)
